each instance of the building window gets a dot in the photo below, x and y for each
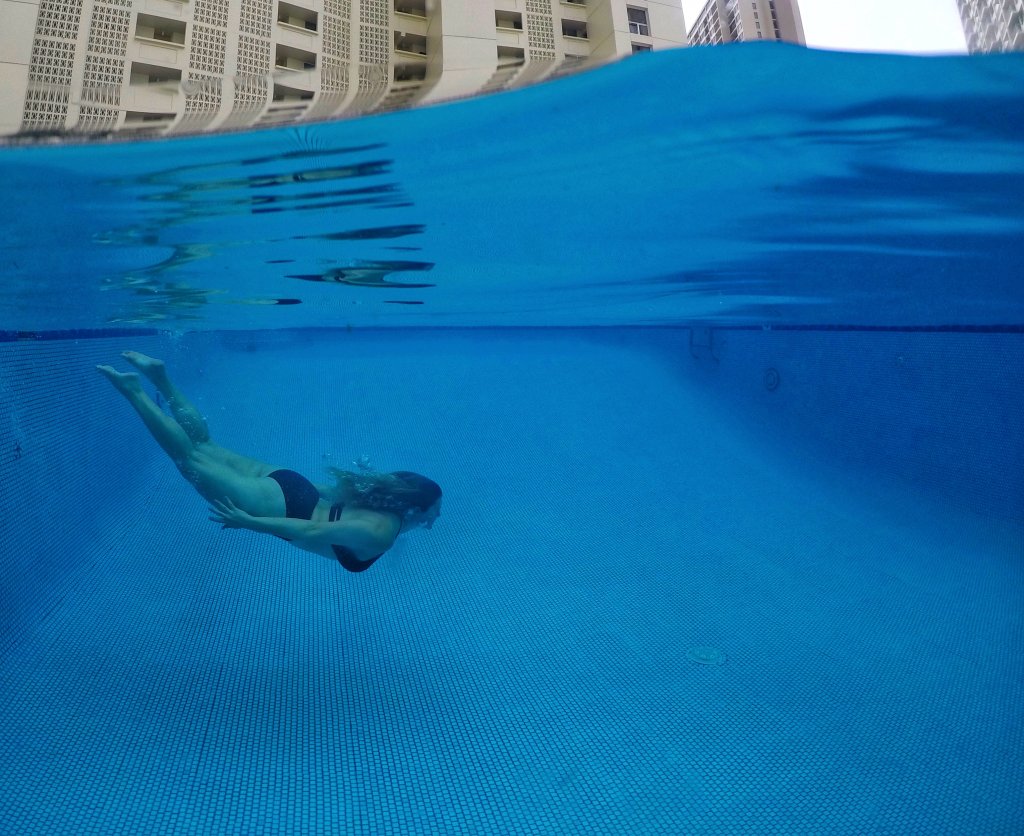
(641, 48)
(574, 29)
(638, 23)
(508, 20)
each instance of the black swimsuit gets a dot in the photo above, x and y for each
(300, 498)
(300, 495)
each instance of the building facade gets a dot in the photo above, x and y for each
(728, 21)
(993, 25)
(184, 66)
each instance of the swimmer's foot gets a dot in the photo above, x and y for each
(125, 382)
(149, 366)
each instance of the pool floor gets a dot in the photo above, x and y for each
(634, 616)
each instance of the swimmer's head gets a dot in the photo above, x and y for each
(411, 496)
(423, 497)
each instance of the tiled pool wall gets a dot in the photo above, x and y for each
(939, 412)
(60, 432)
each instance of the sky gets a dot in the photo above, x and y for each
(913, 26)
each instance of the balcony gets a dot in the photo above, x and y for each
(285, 94)
(149, 75)
(138, 120)
(411, 44)
(510, 55)
(297, 17)
(297, 60)
(152, 89)
(415, 8)
(161, 30)
(509, 20)
(410, 73)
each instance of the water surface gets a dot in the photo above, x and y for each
(758, 184)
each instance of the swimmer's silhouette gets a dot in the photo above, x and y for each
(355, 521)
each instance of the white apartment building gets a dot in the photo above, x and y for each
(183, 66)
(993, 25)
(727, 21)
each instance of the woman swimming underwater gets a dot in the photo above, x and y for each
(354, 522)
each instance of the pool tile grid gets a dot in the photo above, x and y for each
(204, 679)
(58, 434)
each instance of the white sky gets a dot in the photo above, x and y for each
(874, 25)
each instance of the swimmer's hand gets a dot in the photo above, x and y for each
(229, 515)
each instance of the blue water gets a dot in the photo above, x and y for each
(770, 185)
(716, 355)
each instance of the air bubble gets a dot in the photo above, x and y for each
(705, 655)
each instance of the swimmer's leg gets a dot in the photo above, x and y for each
(168, 434)
(200, 463)
(183, 410)
(192, 420)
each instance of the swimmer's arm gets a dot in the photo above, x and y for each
(373, 536)
(361, 535)
(230, 515)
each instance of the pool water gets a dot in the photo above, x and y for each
(723, 392)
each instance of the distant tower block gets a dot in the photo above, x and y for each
(729, 21)
(993, 25)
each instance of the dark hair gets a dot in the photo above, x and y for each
(424, 492)
(399, 493)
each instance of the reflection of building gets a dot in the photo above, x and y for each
(178, 66)
(725, 21)
(992, 25)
